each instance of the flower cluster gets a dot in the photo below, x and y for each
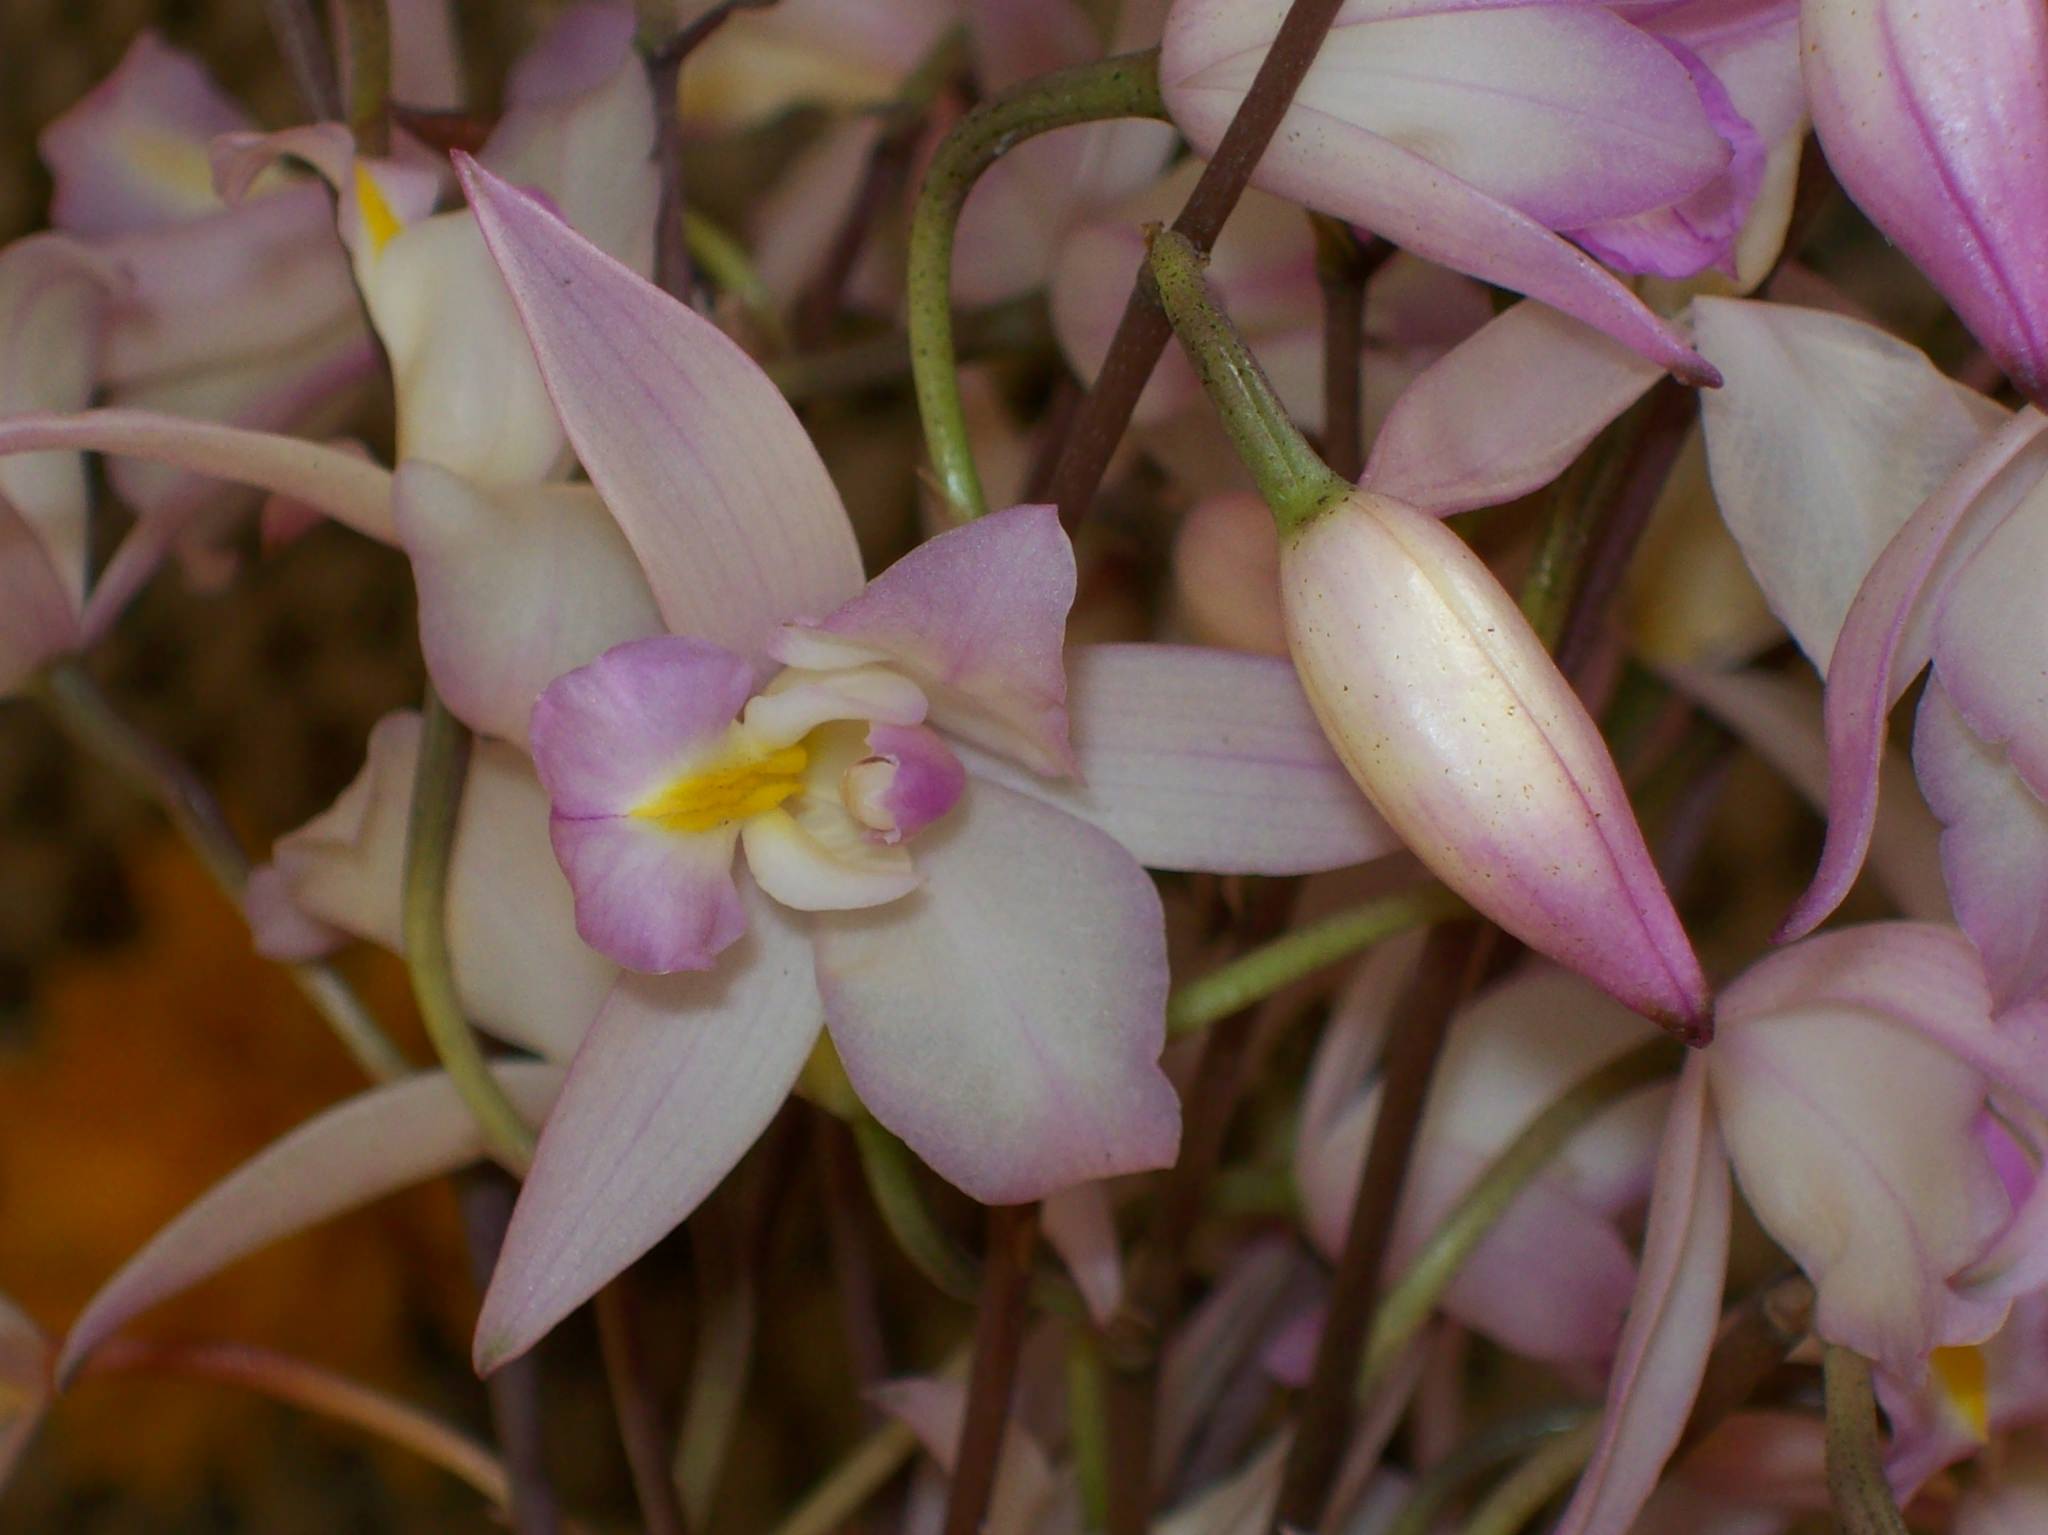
(1354, 933)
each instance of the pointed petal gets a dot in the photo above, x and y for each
(1011, 1075)
(517, 585)
(1824, 437)
(676, 1079)
(1504, 411)
(1325, 160)
(1994, 848)
(1778, 717)
(523, 972)
(1884, 641)
(1081, 1227)
(1204, 759)
(344, 485)
(696, 453)
(131, 153)
(976, 617)
(1671, 1322)
(374, 1144)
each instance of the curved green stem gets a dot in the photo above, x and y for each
(852, 1482)
(1856, 1482)
(722, 258)
(429, 849)
(1413, 1297)
(159, 775)
(1296, 484)
(1258, 973)
(1498, 1445)
(1124, 86)
(1520, 1498)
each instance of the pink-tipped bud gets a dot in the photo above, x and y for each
(1460, 729)
(1935, 120)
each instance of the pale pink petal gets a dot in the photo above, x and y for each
(1991, 642)
(1994, 848)
(696, 453)
(1262, 1287)
(1824, 437)
(1204, 759)
(344, 485)
(1884, 640)
(909, 779)
(518, 584)
(935, 1410)
(1503, 412)
(1226, 575)
(1328, 160)
(373, 1145)
(37, 619)
(825, 861)
(1779, 718)
(1081, 1227)
(1456, 722)
(1671, 1321)
(1853, 1133)
(797, 702)
(674, 1082)
(609, 735)
(131, 153)
(279, 927)
(521, 969)
(976, 617)
(1006, 1019)
(53, 298)
(1930, 127)
(651, 899)
(2013, 1503)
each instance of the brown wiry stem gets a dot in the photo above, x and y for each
(686, 39)
(1451, 963)
(1142, 333)
(307, 60)
(998, 1339)
(513, 1390)
(672, 267)
(1344, 265)
(1758, 1337)
(642, 1431)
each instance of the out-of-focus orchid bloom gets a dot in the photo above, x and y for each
(1931, 121)
(1465, 134)
(2013, 1500)
(1970, 1394)
(1264, 272)
(25, 1356)
(1906, 547)
(240, 313)
(764, 60)
(1553, 1277)
(1848, 1089)
(900, 764)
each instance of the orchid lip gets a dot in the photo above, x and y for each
(741, 784)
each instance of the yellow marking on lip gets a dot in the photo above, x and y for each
(1965, 1381)
(738, 789)
(379, 222)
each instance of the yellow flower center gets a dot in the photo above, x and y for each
(379, 222)
(1965, 1381)
(736, 785)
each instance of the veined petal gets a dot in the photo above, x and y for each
(1824, 437)
(611, 735)
(1504, 411)
(676, 1079)
(648, 898)
(131, 153)
(344, 485)
(1854, 1134)
(1203, 759)
(977, 618)
(1671, 1322)
(696, 453)
(1994, 848)
(1006, 1019)
(517, 585)
(521, 969)
(1460, 729)
(375, 1144)
(1884, 640)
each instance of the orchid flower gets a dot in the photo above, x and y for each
(1972, 1395)
(1930, 126)
(1553, 1277)
(1850, 1088)
(1904, 549)
(1464, 134)
(762, 61)
(24, 1384)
